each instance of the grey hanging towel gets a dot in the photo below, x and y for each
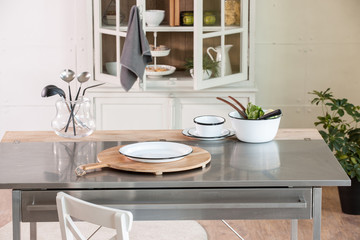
(136, 51)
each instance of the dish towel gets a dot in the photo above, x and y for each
(136, 52)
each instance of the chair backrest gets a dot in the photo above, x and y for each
(69, 206)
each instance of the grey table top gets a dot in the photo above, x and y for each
(280, 163)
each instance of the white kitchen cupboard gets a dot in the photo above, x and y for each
(132, 112)
(115, 109)
(171, 101)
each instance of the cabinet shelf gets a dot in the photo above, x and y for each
(175, 80)
(177, 75)
(163, 28)
(167, 28)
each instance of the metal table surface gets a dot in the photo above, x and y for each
(279, 179)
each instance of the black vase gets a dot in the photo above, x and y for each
(350, 198)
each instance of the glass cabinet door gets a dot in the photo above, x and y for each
(220, 42)
(110, 26)
(216, 41)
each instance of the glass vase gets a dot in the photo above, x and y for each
(73, 118)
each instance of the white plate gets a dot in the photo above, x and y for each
(156, 152)
(170, 70)
(160, 53)
(193, 132)
(187, 131)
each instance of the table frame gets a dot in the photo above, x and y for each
(316, 215)
(170, 135)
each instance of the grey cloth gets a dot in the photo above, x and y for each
(136, 52)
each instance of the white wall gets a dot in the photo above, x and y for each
(38, 39)
(301, 45)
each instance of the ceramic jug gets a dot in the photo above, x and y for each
(219, 58)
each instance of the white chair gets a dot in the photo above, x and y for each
(68, 206)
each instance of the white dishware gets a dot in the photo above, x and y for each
(160, 53)
(111, 68)
(111, 20)
(224, 132)
(209, 125)
(156, 152)
(153, 18)
(191, 132)
(167, 70)
(219, 58)
(254, 130)
(206, 74)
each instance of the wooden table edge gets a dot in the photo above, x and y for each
(141, 135)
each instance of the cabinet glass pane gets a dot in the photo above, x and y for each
(227, 56)
(108, 54)
(108, 13)
(212, 57)
(211, 15)
(124, 10)
(234, 52)
(109, 10)
(232, 13)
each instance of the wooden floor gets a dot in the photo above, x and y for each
(335, 224)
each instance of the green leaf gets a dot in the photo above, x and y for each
(341, 112)
(253, 111)
(324, 135)
(339, 120)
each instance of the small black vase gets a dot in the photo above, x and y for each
(350, 198)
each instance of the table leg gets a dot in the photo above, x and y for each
(16, 214)
(294, 229)
(317, 213)
(32, 230)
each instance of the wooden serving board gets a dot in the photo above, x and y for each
(113, 159)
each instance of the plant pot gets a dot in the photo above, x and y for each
(206, 74)
(350, 198)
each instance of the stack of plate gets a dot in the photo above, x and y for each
(191, 132)
(156, 152)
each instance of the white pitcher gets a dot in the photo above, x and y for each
(219, 58)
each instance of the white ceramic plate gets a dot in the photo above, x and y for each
(187, 131)
(169, 70)
(193, 132)
(159, 53)
(156, 152)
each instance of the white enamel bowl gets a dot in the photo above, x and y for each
(254, 131)
(111, 68)
(209, 125)
(153, 18)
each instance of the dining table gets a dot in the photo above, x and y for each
(280, 179)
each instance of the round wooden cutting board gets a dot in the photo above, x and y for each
(113, 159)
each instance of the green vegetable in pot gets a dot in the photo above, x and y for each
(253, 111)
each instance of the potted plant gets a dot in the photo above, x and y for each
(341, 132)
(210, 67)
